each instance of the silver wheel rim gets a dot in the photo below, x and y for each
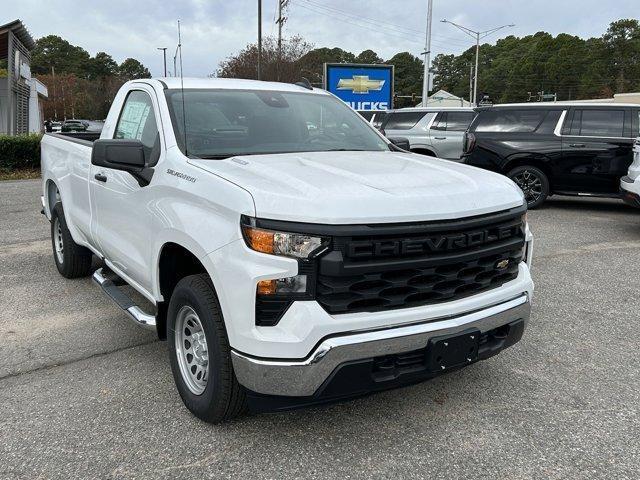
(530, 184)
(191, 350)
(58, 242)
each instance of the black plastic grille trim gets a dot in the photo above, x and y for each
(270, 308)
(415, 287)
(348, 285)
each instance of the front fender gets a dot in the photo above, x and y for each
(183, 239)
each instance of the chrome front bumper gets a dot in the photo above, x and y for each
(301, 378)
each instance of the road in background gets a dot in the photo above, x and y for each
(84, 393)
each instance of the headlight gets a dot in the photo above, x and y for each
(297, 284)
(286, 244)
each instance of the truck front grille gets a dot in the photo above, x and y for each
(409, 265)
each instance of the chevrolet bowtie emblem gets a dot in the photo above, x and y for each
(502, 264)
(360, 84)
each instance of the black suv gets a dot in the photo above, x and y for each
(555, 148)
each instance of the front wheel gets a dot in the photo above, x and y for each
(200, 354)
(533, 182)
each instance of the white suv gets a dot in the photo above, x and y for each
(630, 185)
(437, 132)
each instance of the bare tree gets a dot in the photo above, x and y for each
(245, 63)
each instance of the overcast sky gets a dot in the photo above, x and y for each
(215, 29)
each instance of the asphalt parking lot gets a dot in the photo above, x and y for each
(86, 394)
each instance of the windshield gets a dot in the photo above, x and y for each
(224, 123)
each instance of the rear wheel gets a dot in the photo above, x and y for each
(72, 260)
(200, 354)
(533, 182)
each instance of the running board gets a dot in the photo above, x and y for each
(585, 194)
(123, 300)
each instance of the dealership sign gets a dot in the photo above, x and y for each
(362, 87)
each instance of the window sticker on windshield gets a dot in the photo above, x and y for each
(133, 120)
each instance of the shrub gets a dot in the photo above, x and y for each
(20, 151)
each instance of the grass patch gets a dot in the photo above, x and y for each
(19, 174)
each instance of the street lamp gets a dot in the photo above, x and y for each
(164, 56)
(259, 39)
(477, 36)
(427, 56)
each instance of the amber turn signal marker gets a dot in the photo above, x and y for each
(266, 287)
(259, 240)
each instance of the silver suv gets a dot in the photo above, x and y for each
(438, 132)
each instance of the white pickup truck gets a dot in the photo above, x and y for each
(288, 252)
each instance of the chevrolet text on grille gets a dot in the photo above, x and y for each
(430, 244)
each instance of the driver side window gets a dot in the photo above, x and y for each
(138, 122)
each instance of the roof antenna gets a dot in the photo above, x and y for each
(184, 117)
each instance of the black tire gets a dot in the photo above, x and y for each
(223, 397)
(74, 260)
(533, 182)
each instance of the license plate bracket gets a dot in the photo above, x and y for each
(452, 351)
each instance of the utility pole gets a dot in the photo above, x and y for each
(55, 97)
(164, 56)
(471, 83)
(259, 39)
(475, 77)
(427, 56)
(64, 102)
(282, 5)
(175, 63)
(478, 36)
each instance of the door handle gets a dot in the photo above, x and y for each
(440, 138)
(577, 145)
(101, 177)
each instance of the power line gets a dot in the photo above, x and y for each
(320, 12)
(379, 23)
(404, 36)
(275, 15)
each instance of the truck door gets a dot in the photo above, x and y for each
(596, 149)
(122, 224)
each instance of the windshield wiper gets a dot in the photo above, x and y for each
(222, 156)
(345, 150)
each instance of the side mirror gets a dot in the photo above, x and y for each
(118, 154)
(402, 144)
(125, 155)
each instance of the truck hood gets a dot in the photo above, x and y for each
(364, 187)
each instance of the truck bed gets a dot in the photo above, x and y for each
(82, 137)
